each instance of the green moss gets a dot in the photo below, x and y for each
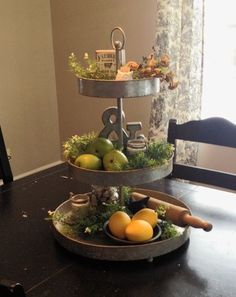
(157, 154)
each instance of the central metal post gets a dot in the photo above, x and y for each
(120, 59)
(120, 124)
(119, 46)
(119, 100)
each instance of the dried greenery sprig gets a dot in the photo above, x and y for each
(152, 66)
(94, 221)
(77, 145)
(168, 229)
(89, 70)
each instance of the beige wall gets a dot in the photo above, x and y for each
(29, 32)
(81, 26)
(32, 98)
(28, 104)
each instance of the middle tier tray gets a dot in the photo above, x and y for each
(121, 178)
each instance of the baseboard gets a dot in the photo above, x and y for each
(37, 169)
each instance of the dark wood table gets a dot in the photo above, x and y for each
(204, 266)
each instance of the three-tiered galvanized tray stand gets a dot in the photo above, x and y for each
(100, 246)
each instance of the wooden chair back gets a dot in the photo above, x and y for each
(5, 168)
(216, 131)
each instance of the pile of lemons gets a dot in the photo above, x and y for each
(139, 228)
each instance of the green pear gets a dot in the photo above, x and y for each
(114, 160)
(88, 161)
(100, 146)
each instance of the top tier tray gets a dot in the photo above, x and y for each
(119, 88)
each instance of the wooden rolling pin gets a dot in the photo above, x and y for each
(179, 216)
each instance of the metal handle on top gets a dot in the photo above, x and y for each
(118, 44)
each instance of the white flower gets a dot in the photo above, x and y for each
(87, 230)
(50, 213)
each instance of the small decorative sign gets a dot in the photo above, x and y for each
(106, 61)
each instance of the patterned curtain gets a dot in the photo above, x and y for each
(179, 33)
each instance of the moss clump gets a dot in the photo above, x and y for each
(157, 154)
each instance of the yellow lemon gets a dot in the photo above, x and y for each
(118, 222)
(147, 214)
(139, 230)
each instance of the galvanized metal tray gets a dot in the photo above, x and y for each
(121, 178)
(119, 88)
(102, 247)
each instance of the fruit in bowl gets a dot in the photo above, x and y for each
(124, 229)
(157, 153)
(88, 161)
(100, 146)
(114, 160)
(147, 214)
(118, 223)
(139, 231)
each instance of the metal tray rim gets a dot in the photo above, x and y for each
(121, 252)
(119, 88)
(124, 177)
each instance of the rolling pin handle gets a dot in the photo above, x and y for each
(196, 222)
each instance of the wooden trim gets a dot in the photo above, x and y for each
(216, 131)
(5, 168)
(202, 175)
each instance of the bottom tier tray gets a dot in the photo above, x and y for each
(101, 247)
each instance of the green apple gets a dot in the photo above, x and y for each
(100, 146)
(113, 160)
(88, 161)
